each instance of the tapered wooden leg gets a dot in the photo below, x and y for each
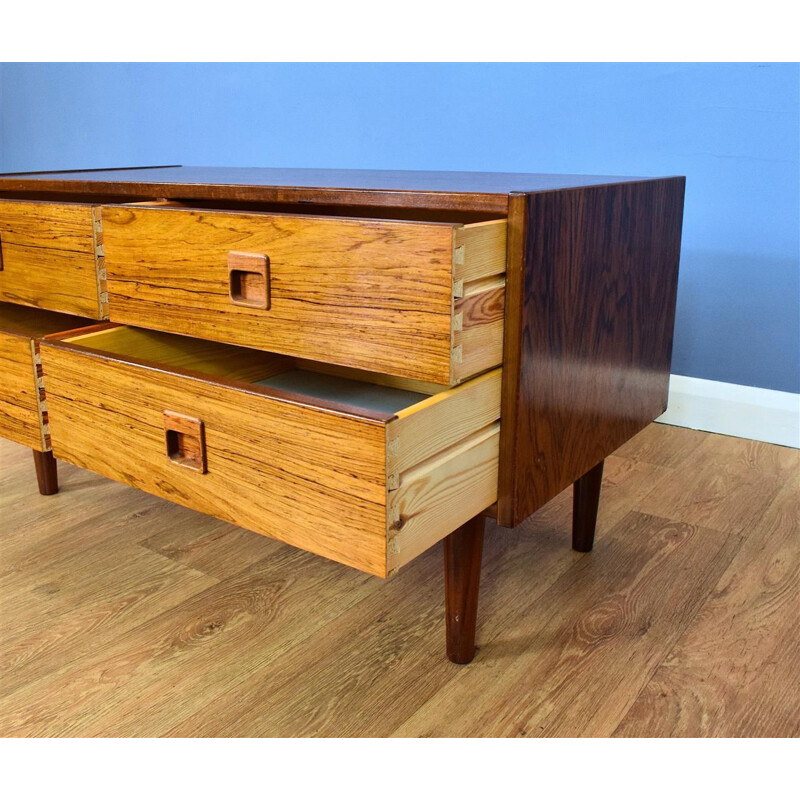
(462, 577)
(46, 472)
(585, 500)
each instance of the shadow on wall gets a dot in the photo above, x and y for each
(739, 304)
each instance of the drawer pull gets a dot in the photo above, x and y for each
(248, 279)
(185, 440)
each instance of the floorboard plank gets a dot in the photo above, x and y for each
(736, 666)
(574, 659)
(124, 615)
(725, 484)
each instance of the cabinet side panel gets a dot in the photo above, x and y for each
(594, 341)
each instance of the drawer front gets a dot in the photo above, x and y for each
(370, 493)
(414, 299)
(49, 257)
(23, 412)
(20, 401)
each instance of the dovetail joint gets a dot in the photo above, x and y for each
(41, 404)
(100, 263)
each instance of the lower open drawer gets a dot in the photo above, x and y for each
(364, 469)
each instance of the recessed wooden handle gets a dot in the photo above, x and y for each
(1, 252)
(185, 440)
(248, 279)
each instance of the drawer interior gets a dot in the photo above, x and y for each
(36, 322)
(357, 392)
(320, 210)
(322, 386)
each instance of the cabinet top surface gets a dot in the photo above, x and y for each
(467, 190)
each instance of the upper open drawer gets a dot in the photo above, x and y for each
(51, 257)
(417, 299)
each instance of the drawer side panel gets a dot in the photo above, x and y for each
(442, 465)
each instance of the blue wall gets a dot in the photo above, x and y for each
(732, 129)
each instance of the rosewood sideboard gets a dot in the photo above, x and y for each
(356, 363)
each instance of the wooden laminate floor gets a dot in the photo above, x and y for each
(124, 615)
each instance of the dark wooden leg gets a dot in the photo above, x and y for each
(46, 472)
(462, 577)
(585, 500)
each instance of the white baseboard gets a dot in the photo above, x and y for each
(744, 411)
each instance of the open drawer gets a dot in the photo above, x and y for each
(364, 469)
(51, 257)
(417, 299)
(23, 410)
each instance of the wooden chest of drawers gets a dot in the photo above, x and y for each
(357, 364)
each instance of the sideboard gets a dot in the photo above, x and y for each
(357, 363)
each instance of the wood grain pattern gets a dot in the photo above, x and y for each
(20, 419)
(46, 472)
(158, 620)
(732, 489)
(625, 609)
(53, 226)
(751, 617)
(183, 352)
(604, 254)
(463, 551)
(441, 465)
(589, 331)
(259, 453)
(441, 421)
(439, 495)
(479, 251)
(248, 280)
(49, 257)
(185, 441)
(585, 504)
(369, 294)
(312, 476)
(23, 412)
